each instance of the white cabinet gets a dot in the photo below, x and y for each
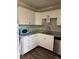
(25, 45)
(28, 43)
(25, 16)
(38, 18)
(22, 16)
(52, 14)
(46, 41)
(49, 42)
(59, 17)
(34, 41)
(28, 17)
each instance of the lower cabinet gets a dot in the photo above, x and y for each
(46, 41)
(32, 41)
(28, 43)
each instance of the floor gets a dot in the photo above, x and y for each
(40, 53)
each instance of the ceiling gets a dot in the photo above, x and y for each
(40, 5)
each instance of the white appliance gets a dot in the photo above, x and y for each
(18, 44)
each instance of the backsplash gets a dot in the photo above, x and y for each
(42, 27)
(34, 27)
(52, 25)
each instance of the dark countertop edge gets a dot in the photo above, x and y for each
(57, 38)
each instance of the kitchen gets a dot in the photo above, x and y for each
(39, 25)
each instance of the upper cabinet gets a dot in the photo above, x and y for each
(29, 17)
(38, 18)
(26, 16)
(52, 14)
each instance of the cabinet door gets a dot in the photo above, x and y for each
(46, 41)
(24, 45)
(31, 18)
(38, 18)
(33, 41)
(26, 16)
(22, 15)
(49, 42)
(40, 40)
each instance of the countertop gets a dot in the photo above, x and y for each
(56, 34)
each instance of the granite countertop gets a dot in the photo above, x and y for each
(56, 34)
